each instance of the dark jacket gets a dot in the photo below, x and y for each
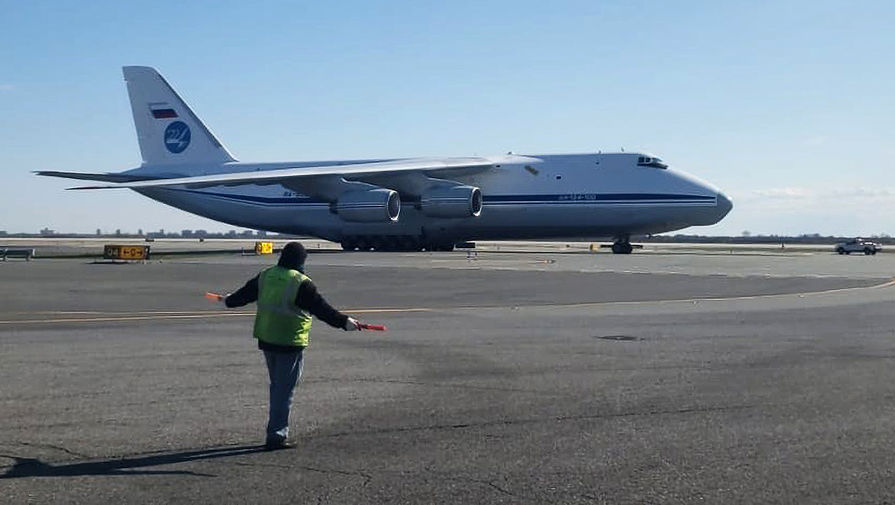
(307, 299)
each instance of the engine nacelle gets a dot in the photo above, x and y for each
(371, 206)
(452, 201)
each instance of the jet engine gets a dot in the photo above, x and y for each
(452, 201)
(370, 206)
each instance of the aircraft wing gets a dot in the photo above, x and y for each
(291, 176)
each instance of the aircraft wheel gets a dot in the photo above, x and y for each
(434, 247)
(622, 248)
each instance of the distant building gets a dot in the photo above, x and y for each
(46, 232)
(186, 233)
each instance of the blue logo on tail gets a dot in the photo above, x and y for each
(177, 137)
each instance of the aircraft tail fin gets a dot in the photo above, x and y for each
(167, 129)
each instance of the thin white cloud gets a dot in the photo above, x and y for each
(788, 193)
(816, 201)
(814, 194)
(865, 192)
(7, 87)
(845, 211)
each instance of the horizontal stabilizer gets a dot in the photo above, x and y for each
(117, 178)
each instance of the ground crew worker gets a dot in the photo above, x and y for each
(286, 300)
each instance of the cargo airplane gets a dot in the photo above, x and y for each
(404, 203)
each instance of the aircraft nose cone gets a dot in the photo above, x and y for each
(724, 205)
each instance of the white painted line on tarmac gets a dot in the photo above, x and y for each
(159, 316)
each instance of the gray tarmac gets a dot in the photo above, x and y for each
(538, 377)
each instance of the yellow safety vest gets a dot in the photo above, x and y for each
(278, 320)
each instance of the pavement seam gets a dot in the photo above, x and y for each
(204, 315)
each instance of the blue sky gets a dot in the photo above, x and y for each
(787, 106)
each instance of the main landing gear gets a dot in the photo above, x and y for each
(393, 243)
(622, 246)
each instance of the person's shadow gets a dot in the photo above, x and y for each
(31, 467)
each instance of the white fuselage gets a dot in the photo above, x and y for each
(588, 196)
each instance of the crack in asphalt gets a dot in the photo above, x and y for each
(54, 447)
(489, 483)
(367, 477)
(519, 496)
(514, 422)
(427, 384)
(155, 458)
(463, 478)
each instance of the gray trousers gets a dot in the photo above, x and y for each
(284, 369)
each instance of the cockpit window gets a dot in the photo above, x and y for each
(647, 161)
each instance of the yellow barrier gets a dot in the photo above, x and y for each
(126, 252)
(263, 248)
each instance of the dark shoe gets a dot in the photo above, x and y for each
(277, 444)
